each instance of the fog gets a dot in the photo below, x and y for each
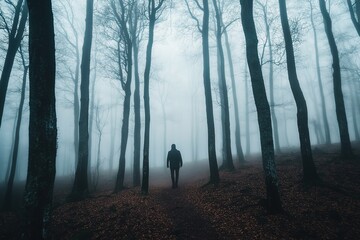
(177, 98)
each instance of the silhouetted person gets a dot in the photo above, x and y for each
(174, 157)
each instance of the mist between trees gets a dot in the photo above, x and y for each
(223, 80)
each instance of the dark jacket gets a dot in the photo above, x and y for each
(174, 157)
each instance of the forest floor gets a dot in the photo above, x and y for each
(231, 210)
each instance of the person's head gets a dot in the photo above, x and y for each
(173, 146)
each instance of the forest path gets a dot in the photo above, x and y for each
(187, 221)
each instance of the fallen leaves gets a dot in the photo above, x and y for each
(231, 210)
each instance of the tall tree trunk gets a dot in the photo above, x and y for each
(262, 106)
(137, 115)
(38, 194)
(15, 37)
(194, 128)
(224, 99)
(135, 31)
(271, 76)
(247, 112)
(354, 103)
(76, 105)
(9, 188)
(239, 149)
(91, 115)
(346, 150)
(214, 172)
(152, 19)
(163, 101)
(322, 97)
(309, 170)
(8, 169)
(81, 188)
(271, 81)
(318, 117)
(112, 137)
(126, 115)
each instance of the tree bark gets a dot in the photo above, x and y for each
(214, 172)
(309, 170)
(262, 106)
(80, 188)
(91, 115)
(346, 150)
(271, 82)
(322, 97)
(15, 38)
(125, 124)
(135, 31)
(224, 99)
(239, 149)
(152, 19)
(39, 187)
(76, 105)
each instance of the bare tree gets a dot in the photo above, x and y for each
(99, 125)
(15, 33)
(355, 16)
(9, 187)
(204, 30)
(322, 97)
(136, 30)
(39, 187)
(224, 100)
(81, 188)
(154, 10)
(122, 13)
(309, 170)
(346, 150)
(239, 150)
(262, 106)
(71, 36)
(268, 21)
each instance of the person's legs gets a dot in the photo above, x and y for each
(177, 177)
(172, 177)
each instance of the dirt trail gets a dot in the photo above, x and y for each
(187, 221)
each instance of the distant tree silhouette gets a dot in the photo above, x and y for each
(309, 170)
(121, 13)
(9, 187)
(239, 149)
(268, 21)
(355, 15)
(81, 187)
(322, 97)
(346, 150)
(16, 33)
(74, 70)
(224, 99)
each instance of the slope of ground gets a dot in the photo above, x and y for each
(231, 210)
